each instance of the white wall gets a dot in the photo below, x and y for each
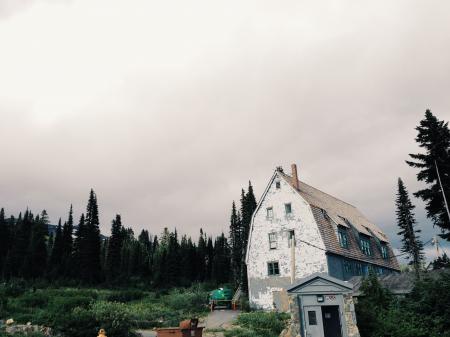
(308, 259)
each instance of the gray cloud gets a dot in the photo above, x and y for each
(167, 114)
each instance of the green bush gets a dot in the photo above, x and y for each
(264, 323)
(113, 317)
(34, 299)
(191, 300)
(125, 296)
(64, 304)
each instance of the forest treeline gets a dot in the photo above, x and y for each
(77, 252)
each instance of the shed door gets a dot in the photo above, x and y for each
(331, 321)
(313, 321)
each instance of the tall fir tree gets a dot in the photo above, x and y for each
(221, 261)
(411, 243)
(38, 249)
(248, 206)
(114, 249)
(235, 246)
(434, 137)
(56, 255)
(78, 248)
(90, 271)
(201, 257)
(4, 240)
(67, 244)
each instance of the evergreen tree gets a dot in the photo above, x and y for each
(248, 206)
(235, 246)
(173, 260)
(434, 137)
(4, 240)
(56, 255)
(221, 261)
(113, 258)
(201, 257)
(209, 258)
(441, 262)
(90, 271)
(411, 243)
(38, 249)
(79, 247)
(20, 246)
(67, 244)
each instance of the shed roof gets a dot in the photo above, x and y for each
(325, 281)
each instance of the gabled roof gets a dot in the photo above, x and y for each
(339, 211)
(329, 211)
(320, 281)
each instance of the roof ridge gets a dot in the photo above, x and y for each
(300, 181)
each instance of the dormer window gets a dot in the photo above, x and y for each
(384, 251)
(277, 185)
(365, 245)
(269, 212)
(288, 209)
(343, 238)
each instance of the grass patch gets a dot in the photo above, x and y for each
(259, 324)
(82, 312)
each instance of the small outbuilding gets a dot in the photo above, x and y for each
(321, 306)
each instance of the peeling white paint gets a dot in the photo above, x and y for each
(308, 259)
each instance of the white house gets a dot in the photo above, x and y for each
(297, 230)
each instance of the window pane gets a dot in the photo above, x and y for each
(276, 270)
(288, 208)
(312, 319)
(277, 184)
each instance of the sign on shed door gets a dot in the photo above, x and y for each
(313, 320)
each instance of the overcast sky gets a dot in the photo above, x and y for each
(167, 108)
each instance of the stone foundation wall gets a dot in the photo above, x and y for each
(293, 328)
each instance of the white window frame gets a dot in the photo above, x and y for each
(269, 212)
(273, 241)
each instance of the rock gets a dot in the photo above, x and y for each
(9, 321)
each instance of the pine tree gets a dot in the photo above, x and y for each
(67, 244)
(37, 256)
(91, 268)
(221, 261)
(115, 242)
(411, 243)
(201, 257)
(56, 255)
(20, 246)
(434, 137)
(248, 206)
(4, 240)
(235, 245)
(79, 247)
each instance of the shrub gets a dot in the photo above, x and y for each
(33, 300)
(264, 323)
(62, 304)
(193, 301)
(113, 317)
(125, 296)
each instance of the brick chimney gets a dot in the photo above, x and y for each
(294, 176)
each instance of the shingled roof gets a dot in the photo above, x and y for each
(331, 212)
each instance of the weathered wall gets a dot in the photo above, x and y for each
(294, 329)
(308, 259)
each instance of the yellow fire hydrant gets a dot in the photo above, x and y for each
(101, 333)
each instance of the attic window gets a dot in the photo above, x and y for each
(343, 238)
(269, 212)
(365, 245)
(288, 209)
(277, 185)
(384, 251)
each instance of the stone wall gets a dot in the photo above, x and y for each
(293, 328)
(308, 259)
(350, 316)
